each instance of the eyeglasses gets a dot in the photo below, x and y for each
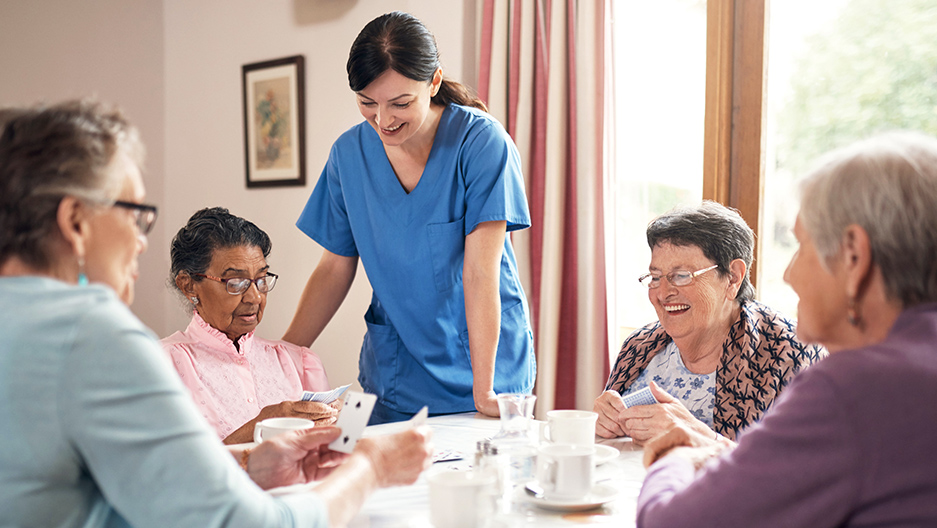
(239, 285)
(144, 215)
(677, 278)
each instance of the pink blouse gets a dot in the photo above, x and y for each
(231, 386)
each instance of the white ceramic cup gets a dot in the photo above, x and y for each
(569, 427)
(565, 472)
(461, 499)
(271, 427)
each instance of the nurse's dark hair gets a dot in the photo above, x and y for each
(399, 41)
(719, 231)
(48, 153)
(207, 231)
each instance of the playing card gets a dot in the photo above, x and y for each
(352, 420)
(420, 417)
(325, 396)
(447, 455)
(641, 397)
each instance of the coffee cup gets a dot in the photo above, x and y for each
(271, 427)
(565, 472)
(461, 499)
(570, 427)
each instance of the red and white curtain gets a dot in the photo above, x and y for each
(543, 75)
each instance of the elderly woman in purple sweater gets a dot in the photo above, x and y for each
(851, 441)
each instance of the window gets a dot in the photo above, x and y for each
(659, 80)
(832, 72)
(838, 71)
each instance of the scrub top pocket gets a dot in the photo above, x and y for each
(377, 365)
(447, 247)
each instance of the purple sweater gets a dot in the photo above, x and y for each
(852, 441)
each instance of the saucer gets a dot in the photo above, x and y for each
(600, 494)
(604, 453)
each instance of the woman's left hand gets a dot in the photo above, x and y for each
(682, 441)
(487, 403)
(643, 422)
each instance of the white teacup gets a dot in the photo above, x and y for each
(565, 472)
(461, 499)
(271, 427)
(570, 427)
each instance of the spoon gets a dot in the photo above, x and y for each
(534, 489)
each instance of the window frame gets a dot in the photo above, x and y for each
(734, 142)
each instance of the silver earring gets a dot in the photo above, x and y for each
(194, 300)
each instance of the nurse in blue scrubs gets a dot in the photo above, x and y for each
(424, 192)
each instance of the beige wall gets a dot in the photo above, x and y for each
(175, 67)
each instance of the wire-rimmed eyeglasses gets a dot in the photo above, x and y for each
(239, 285)
(144, 215)
(677, 278)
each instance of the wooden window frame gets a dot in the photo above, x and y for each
(733, 148)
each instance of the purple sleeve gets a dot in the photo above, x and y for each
(797, 467)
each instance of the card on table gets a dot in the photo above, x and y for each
(641, 397)
(325, 396)
(352, 420)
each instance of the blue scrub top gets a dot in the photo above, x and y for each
(416, 349)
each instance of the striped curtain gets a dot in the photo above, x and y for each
(542, 74)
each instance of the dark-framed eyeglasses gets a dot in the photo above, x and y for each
(144, 215)
(239, 285)
(677, 278)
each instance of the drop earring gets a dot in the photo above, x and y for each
(82, 278)
(852, 315)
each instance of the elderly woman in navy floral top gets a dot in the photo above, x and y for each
(716, 359)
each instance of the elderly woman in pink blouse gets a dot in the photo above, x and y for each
(236, 378)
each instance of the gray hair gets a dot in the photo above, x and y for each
(888, 186)
(719, 231)
(47, 153)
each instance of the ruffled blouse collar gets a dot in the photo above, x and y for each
(215, 338)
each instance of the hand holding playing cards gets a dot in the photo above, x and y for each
(643, 422)
(293, 458)
(608, 406)
(318, 412)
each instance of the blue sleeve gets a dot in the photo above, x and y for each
(325, 218)
(152, 455)
(494, 180)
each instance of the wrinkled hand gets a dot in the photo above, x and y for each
(318, 412)
(643, 422)
(608, 406)
(398, 459)
(487, 403)
(683, 441)
(294, 457)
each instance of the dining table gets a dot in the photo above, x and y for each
(455, 437)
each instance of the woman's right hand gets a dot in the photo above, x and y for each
(608, 406)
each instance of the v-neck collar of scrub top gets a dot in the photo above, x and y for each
(406, 204)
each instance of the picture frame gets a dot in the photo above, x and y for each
(275, 122)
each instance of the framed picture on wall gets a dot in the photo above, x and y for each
(275, 122)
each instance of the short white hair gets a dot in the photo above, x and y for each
(887, 185)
